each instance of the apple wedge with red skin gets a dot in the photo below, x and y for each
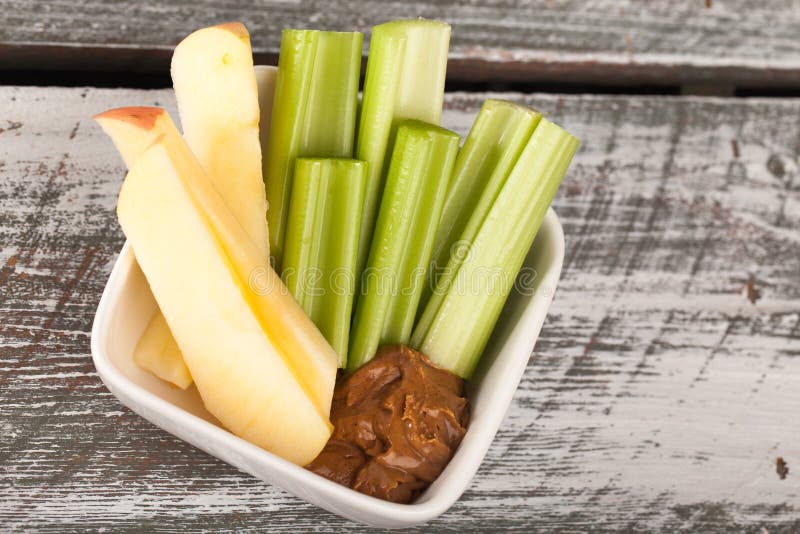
(224, 137)
(301, 341)
(260, 365)
(133, 130)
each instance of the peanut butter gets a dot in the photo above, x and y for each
(397, 422)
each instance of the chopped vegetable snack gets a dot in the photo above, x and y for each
(405, 80)
(467, 301)
(490, 151)
(389, 252)
(313, 114)
(422, 161)
(319, 261)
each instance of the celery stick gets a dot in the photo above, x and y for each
(314, 113)
(490, 151)
(416, 185)
(321, 248)
(404, 80)
(459, 318)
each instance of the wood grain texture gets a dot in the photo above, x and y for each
(658, 397)
(736, 42)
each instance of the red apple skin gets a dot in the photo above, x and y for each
(143, 117)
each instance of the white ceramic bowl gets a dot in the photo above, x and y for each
(127, 305)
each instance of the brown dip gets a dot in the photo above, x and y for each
(397, 421)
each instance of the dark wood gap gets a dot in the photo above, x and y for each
(57, 78)
(561, 88)
(161, 80)
(150, 70)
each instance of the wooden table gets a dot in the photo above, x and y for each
(698, 45)
(666, 382)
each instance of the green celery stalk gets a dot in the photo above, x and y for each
(404, 80)
(314, 113)
(416, 186)
(456, 323)
(319, 260)
(490, 151)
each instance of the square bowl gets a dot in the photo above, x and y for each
(127, 306)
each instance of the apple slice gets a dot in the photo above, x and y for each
(300, 341)
(158, 353)
(290, 329)
(215, 86)
(133, 130)
(172, 216)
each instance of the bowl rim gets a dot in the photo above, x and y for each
(435, 501)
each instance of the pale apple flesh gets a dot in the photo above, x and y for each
(218, 103)
(158, 352)
(133, 130)
(241, 373)
(292, 330)
(284, 321)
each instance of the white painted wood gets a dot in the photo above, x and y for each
(658, 397)
(614, 41)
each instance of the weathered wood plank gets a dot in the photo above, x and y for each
(733, 42)
(659, 396)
